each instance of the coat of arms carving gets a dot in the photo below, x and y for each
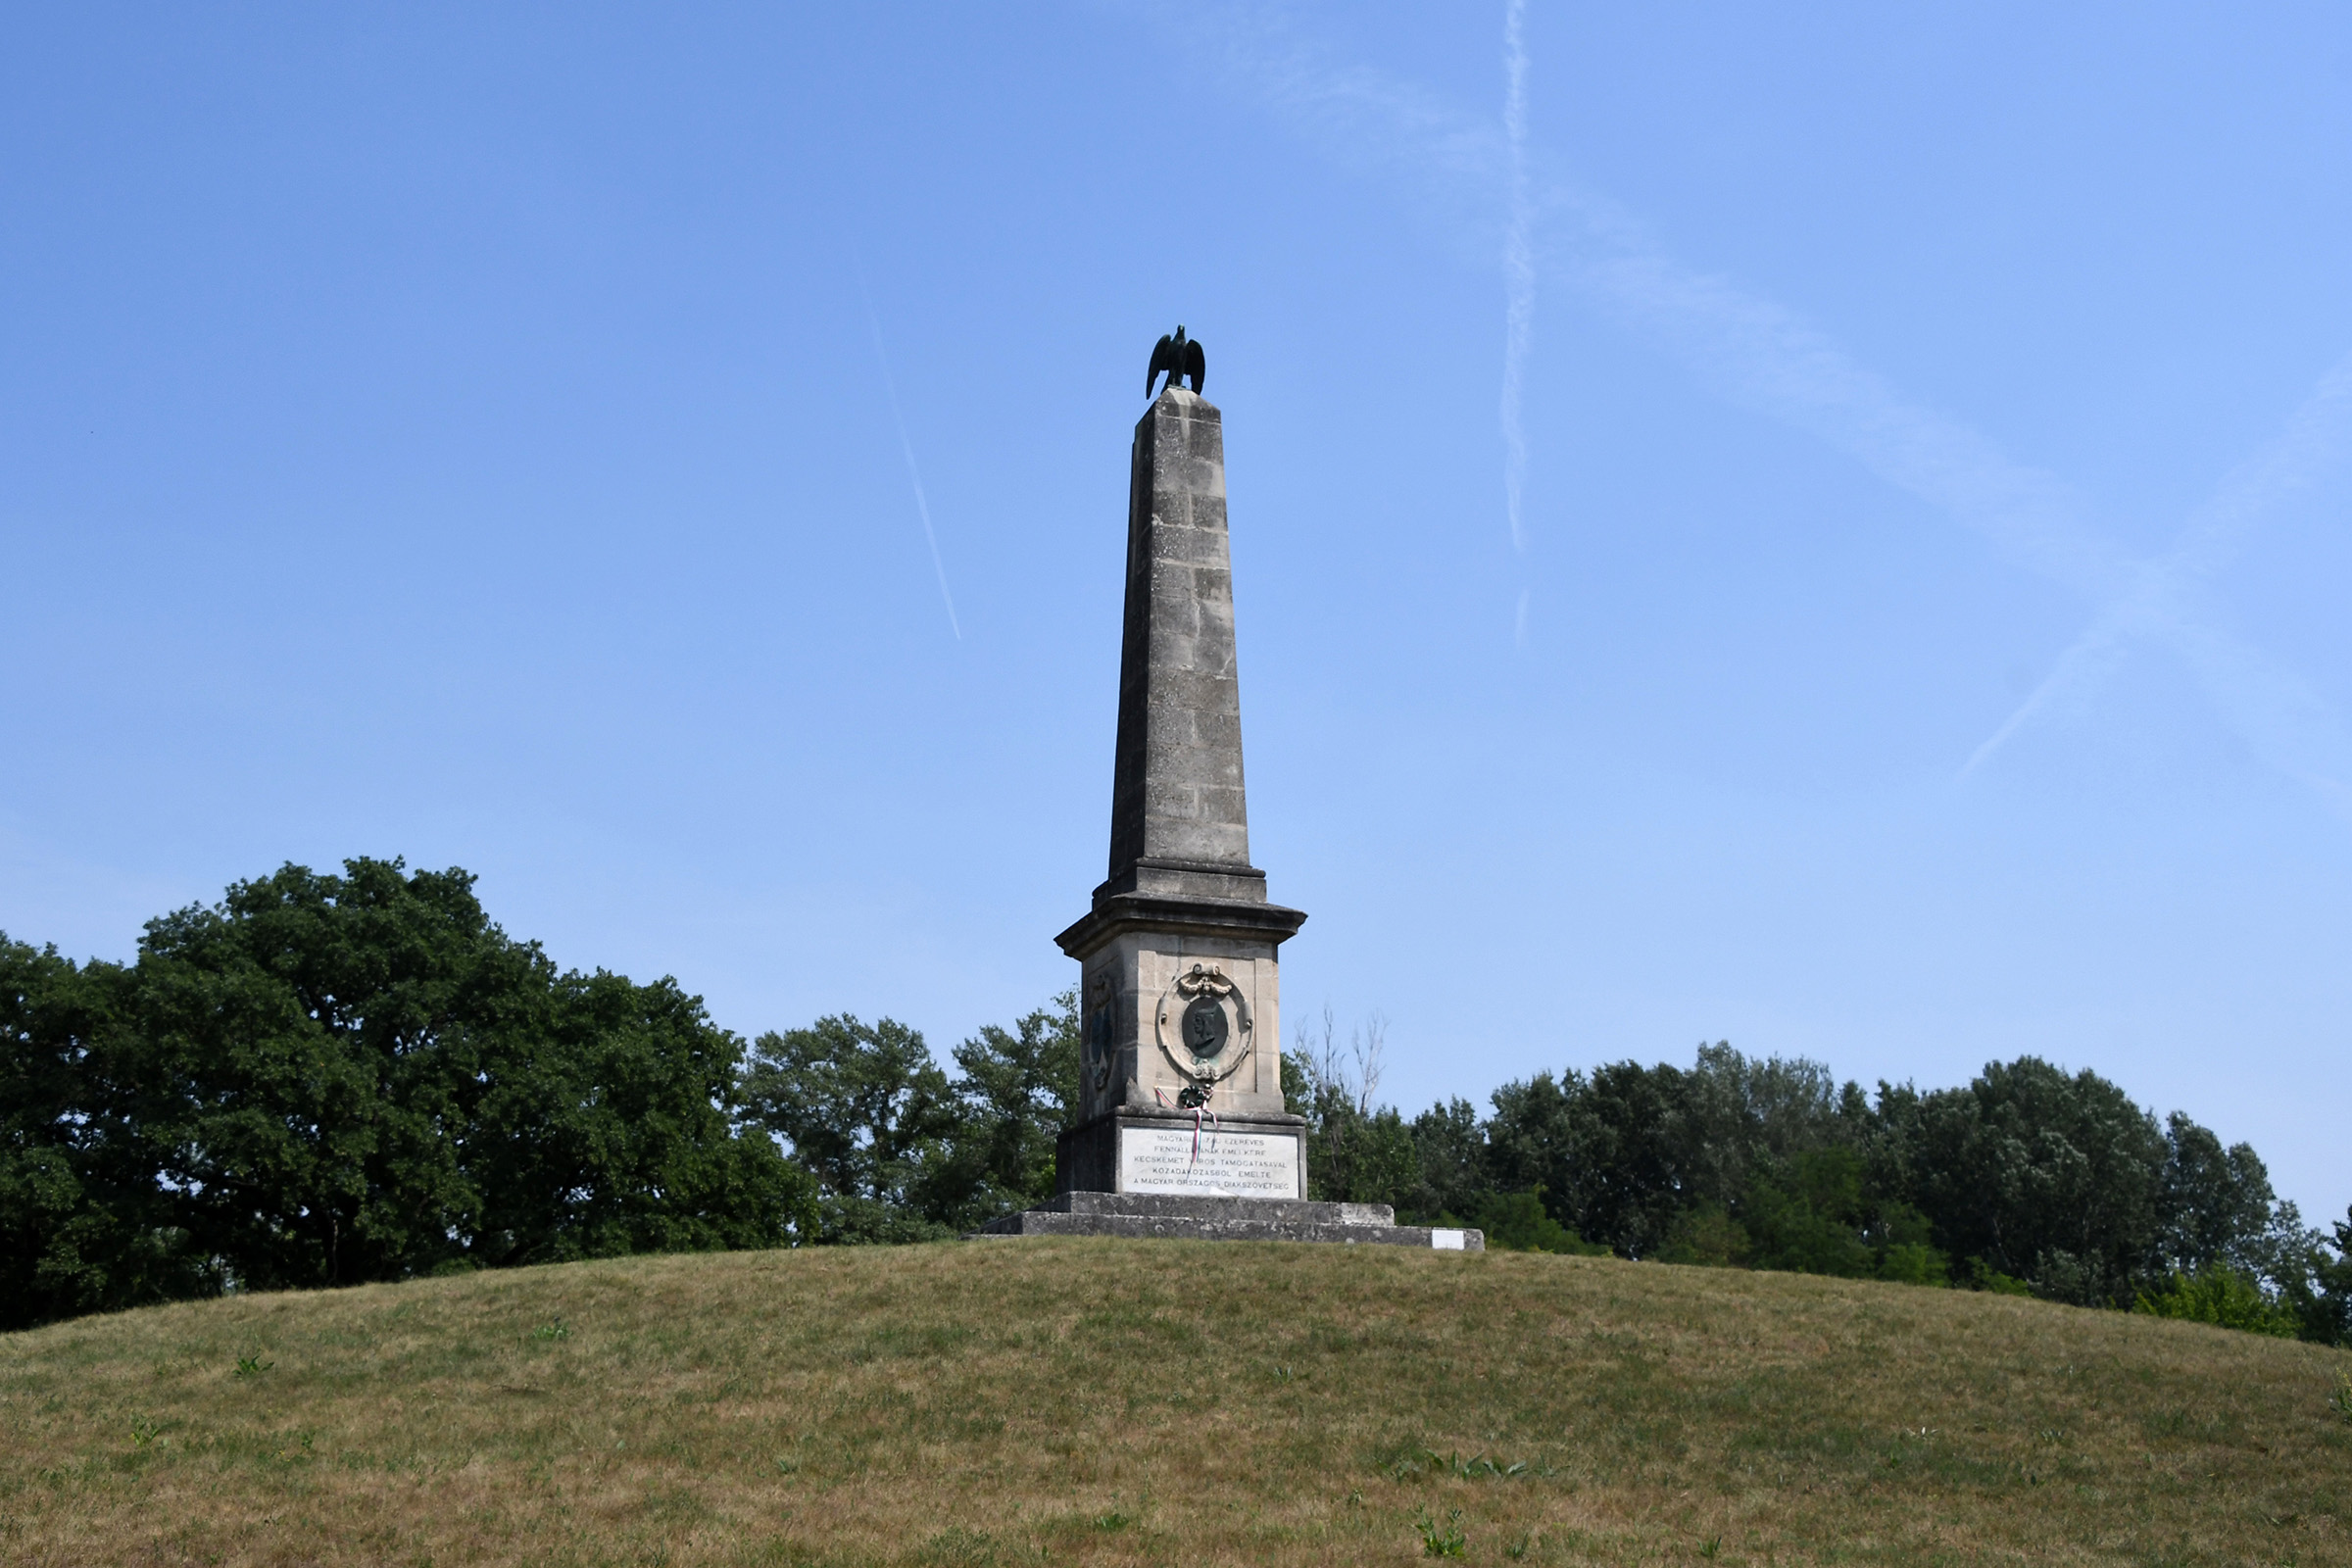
(1099, 1044)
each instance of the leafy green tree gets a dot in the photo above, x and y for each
(1619, 1146)
(1449, 1148)
(1539, 1139)
(1707, 1236)
(1354, 1157)
(83, 1225)
(2047, 1177)
(45, 1212)
(1815, 1213)
(1015, 1091)
(1356, 1151)
(307, 1046)
(616, 1127)
(2223, 1296)
(1905, 1252)
(1742, 1115)
(867, 1112)
(1810, 1219)
(328, 1079)
(2215, 1206)
(2316, 1283)
(1518, 1222)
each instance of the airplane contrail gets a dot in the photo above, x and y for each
(2314, 438)
(922, 505)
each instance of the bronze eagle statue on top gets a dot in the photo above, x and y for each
(1179, 359)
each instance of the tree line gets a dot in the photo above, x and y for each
(325, 1080)
(2027, 1179)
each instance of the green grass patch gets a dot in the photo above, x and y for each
(1136, 1402)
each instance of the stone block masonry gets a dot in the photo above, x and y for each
(1179, 818)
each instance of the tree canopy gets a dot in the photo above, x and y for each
(323, 1080)
(2028, 1178)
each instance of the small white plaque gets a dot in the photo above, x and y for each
(1446, 1241)
(1226, 1164)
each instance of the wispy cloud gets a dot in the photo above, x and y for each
(1763, 355)
(915, 476)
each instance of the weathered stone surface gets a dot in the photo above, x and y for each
(1178, 820)
(1117, 1154)
(1228, 1219)
(1132, 1062)
(1183, 915)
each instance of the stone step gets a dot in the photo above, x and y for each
(1213, 1206)
(1227, 1219)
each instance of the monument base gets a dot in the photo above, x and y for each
(1249, 1155)
(1228, 1219)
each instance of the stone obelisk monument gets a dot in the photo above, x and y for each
(1181, 1127)
(1179, 999)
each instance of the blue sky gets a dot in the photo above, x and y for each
(460, 434)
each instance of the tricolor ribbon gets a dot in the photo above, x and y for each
(1198, 1111)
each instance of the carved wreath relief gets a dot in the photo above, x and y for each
(1203, 1030)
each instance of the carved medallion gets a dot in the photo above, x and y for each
(1203, 1028)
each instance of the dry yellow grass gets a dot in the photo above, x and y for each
(1147, 1402)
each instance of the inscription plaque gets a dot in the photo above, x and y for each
(1230, 1164)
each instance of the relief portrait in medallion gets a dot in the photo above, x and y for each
(1205, 1027)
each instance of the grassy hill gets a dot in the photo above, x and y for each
(1122, 1402)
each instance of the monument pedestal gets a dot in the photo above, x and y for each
(1182, 1027)
(1228, 1219)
